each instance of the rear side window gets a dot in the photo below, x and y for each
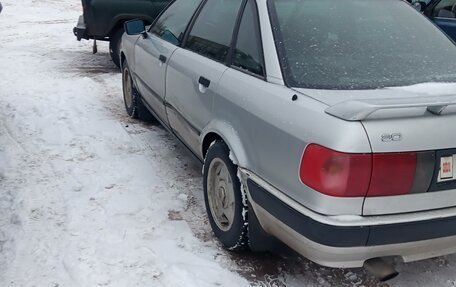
(212, 32)
(171, 25)
(248, 53)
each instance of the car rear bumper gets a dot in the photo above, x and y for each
(80, 31)
(350, 241)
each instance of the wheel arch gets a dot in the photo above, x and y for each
(115, 26)
(119, 21)
(218, 130)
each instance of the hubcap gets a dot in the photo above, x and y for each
(128, 89)
(220, 193)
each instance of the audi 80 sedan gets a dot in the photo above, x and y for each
(328, 125)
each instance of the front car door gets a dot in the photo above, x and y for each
(153, 51)
(194, 72)
(443, 13)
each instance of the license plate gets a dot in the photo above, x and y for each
(446, 172)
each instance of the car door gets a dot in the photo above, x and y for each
(153, 50)
(444, 15)
(194, 72)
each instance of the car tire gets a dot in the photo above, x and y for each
(225, 200)
(114, 45)
(133, 103)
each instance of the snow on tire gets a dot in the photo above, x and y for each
(225, 201)
(129, 92)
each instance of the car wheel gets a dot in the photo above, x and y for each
(133, 103)
(226, 202)
(114, 46)
(129, 92)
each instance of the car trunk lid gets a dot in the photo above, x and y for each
(412, 118)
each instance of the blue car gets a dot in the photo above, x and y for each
(442, 12)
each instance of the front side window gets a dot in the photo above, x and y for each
(212, 32)
(445, 9)
(359, 44)
(172, 23)
(248, 55)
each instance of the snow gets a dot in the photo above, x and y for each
(233, 158)
(430, 88)
(89, 197)
(88, 207)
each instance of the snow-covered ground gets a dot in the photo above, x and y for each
(89, 197)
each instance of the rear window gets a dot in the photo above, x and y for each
(359, 44)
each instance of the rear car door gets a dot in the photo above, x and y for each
(194, 72)
(153, 51)
(444, 15)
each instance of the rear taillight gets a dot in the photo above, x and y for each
(357, 175)
(392, 173)
(335, 173)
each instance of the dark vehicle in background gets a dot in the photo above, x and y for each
(1, 7)
(104, 20)
(442, 12)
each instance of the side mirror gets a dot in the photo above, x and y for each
(135, 27)
(419, 5)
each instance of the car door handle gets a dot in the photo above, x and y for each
(162, 59)
(204, 82)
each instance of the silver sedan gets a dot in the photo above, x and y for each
(328, 125)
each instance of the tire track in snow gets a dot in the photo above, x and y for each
(92, 211)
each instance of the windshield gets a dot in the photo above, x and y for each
(359, 44)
